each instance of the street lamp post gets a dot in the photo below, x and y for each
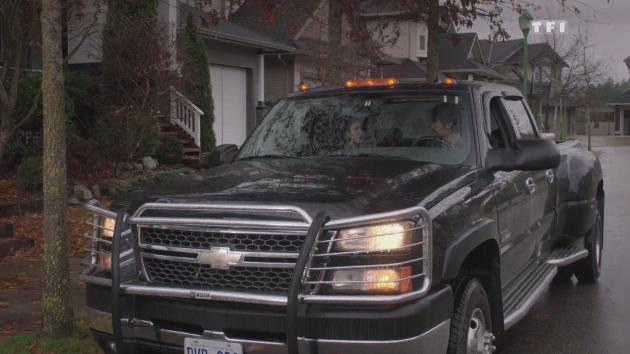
(525, 23)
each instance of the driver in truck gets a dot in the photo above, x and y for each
(444, 117)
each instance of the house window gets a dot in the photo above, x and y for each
(422, 42)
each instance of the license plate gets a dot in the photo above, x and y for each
(205, 346)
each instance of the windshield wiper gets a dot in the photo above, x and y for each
(269, 156)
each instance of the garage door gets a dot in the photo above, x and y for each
(230, 104)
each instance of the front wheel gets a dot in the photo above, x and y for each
(471, 325)
(588, 269)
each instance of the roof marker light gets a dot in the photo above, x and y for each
(449, 81)
(304, 87)
(371, 83)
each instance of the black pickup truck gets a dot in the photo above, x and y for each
(379, 217)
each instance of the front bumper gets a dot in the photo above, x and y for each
(144, 337)
(153, 325)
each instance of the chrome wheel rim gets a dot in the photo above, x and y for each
(479, 339)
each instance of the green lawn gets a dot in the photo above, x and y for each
(80, 343)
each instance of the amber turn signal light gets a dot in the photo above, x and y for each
(371, 83)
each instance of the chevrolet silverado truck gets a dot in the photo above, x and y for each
(383, 216)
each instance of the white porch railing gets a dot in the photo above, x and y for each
(186, 115)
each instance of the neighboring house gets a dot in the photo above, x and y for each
(621, 105)
(303, 26)
(460, 58)
(545, 64)
(400, 37)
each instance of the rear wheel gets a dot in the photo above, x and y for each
(588, 269)
(471, 325)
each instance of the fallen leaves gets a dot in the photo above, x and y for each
(13, 282)
(12, 192)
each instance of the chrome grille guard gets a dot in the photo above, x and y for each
(302, 226)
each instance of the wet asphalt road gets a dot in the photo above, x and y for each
(591, 318)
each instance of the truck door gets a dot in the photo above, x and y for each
(541, 185)
(521, 195)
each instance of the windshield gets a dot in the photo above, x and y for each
(421, 127)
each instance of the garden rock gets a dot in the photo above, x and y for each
(82, 192)
(149, 163)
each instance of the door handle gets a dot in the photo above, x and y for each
(530, 184)
(550, 176)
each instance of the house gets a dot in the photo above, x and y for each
(302, 25)
(545, 82)
(621, 105)
(253, 61)
(236, 60)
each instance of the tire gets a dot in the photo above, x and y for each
(565, 273)
(588, 269)
(471, 325)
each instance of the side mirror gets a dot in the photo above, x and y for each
(529, 155)
(222, 155)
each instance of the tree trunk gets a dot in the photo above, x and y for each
(433, 27)
(4, 133)
(334, 56)
(57, 313)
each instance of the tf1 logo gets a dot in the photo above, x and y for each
(549, 26)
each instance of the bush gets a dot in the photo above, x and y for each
(170, 151)
(126, 136)
(27, 141)
(196, 81)
(30, 173)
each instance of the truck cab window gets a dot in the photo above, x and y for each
(520, 118)
(497, 136)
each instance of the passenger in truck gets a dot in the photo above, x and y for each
(354, 134)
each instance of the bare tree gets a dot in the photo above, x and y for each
(57, 298)
(20, 36)
(590, 70)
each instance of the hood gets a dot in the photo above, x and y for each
(343, 187)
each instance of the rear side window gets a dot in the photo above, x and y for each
(520, 118)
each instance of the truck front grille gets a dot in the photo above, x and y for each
(172, 257)
(249, 279)
(235, 241)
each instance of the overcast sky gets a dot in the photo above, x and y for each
(607, 22)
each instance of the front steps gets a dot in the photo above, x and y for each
(191, 151)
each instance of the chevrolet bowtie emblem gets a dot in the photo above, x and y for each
(220, 258)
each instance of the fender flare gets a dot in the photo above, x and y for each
(482, 231)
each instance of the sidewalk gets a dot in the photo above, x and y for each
(20, 294)
(605, 140)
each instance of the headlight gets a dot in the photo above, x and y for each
(373, 280)
(107, 227)
(104, 258)
(383, 237)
